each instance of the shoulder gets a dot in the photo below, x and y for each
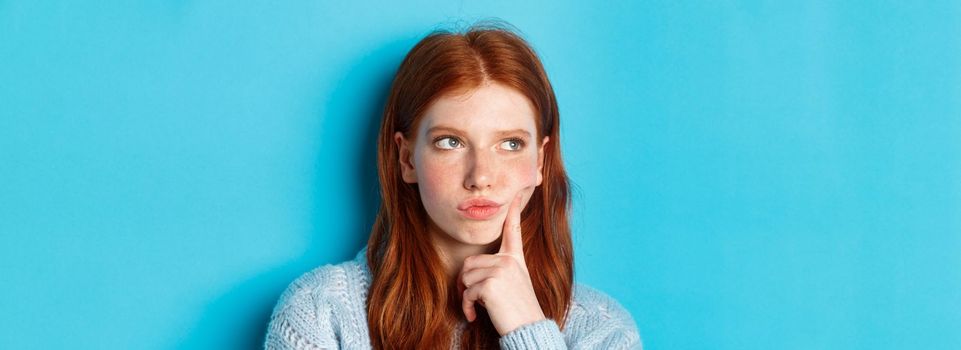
(598, 320)
(328, 283)
(318, 307)
(592, 301)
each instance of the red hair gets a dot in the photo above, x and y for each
(406, 306)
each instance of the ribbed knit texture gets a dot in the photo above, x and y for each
(325, 309)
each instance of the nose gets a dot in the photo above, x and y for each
(480, 171)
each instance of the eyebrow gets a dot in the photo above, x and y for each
(498, 133)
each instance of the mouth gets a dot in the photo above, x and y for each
(478, 208)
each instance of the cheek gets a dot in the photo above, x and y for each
(523, 172)
(435, 179)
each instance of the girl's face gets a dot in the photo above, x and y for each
(475, 146)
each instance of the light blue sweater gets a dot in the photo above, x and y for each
(325, 309)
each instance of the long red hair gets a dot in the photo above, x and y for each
(407, 306)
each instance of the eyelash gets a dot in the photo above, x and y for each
(520, 142)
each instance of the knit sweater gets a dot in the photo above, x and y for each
(325, 309)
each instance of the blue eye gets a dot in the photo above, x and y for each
(446, 142)
(513, 144)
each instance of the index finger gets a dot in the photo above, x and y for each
(512, 242)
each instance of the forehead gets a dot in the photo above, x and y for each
(491, 107)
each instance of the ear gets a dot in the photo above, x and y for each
(406, 154)
(540, 161)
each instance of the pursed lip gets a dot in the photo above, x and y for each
(477, 202)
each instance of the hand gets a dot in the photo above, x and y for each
(500, 282)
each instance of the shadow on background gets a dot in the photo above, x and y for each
(248, 305)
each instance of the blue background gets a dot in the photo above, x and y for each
(749, 175)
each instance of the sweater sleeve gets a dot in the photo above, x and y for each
(595, 321)
(302, 318)
(542, 334)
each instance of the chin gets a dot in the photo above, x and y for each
(478, 236)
